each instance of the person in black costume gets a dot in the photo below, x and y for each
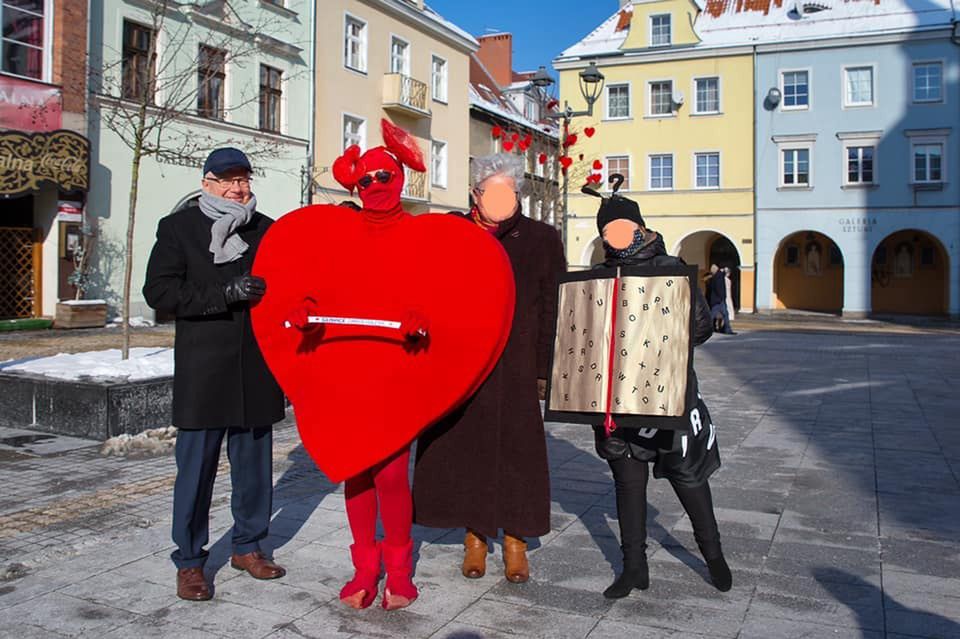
(685, 458)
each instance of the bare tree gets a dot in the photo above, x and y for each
(152, 96)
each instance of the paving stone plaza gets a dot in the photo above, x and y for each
(838, 503)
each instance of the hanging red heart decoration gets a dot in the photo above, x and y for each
(524, 145)
(508, 146)
(589, 131)
(496, 132)
(528, 139)
(594, 178)
(542, 159)
(515, 137)
(566, 162)
(597, 165)
(571, 140)
(552, 104)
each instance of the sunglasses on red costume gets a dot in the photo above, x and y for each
(381, 176)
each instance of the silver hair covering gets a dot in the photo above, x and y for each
(506, 164)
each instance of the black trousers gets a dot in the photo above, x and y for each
(630, 477)
(251, 474)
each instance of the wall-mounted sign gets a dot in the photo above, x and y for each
(29, 106)
(29, 159)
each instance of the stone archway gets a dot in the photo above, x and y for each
(707, 247)
(808, 273)
(909, 274)
(593, 253)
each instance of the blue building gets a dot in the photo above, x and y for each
(857, 155)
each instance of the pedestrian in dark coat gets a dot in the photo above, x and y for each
(199, 271)
(484, 468)
(686, 458)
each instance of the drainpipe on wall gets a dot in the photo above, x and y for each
(753, 150)
(306, 196)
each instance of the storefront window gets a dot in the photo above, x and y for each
(22, 42)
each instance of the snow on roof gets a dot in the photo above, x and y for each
(431, 13)
(731, 22)
(481, 97)
(603, 39)
(738, 22)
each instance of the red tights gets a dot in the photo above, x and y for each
(389, 482)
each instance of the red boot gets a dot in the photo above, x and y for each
(360, 592)
(400, 591)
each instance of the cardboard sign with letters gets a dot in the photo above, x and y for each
(624, 345)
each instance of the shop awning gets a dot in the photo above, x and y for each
(27, 160)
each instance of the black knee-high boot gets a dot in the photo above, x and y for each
(630, 477)
(698, 503)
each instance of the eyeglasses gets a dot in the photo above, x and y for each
(228, 182)
(381, 176)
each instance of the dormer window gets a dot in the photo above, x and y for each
(660, 35)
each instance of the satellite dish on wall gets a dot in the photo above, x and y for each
(677, 98)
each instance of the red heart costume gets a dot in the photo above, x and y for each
(362, 393)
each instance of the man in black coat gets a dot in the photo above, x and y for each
(199, 270)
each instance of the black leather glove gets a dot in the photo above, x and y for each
(245, 288)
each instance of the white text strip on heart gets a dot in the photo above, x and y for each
(352, 321)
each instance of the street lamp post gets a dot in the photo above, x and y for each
(591, 85)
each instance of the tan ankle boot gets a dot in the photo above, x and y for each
(474, 555)
(515, 565)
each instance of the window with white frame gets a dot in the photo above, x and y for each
(927, 162)
(530, 109)
(399, 56)
(928, 82)
(355, 44)
(619, 164)
(795, 167)
(618, 101)
(438, 173)
(354, 132)
(439, 77)
(661, 97)
(707, 98)
(24, 40)
(707, 170)
(661, 172)
(858, 86)
(660, 30)
(795, 89)
(860, 164)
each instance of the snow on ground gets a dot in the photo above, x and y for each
(144, 363)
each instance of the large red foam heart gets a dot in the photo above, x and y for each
(360, 393)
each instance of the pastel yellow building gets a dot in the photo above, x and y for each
(676, 119)
(399, 60)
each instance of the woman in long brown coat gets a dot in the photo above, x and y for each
(484, 468)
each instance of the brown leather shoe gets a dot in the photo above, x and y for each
(515, 565)
(257, 565)
(192, 585)
(474, 555)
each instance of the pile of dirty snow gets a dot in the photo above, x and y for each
(144, 363)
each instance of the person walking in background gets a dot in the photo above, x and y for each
(199, 271)
(731, 309)
(484, 468)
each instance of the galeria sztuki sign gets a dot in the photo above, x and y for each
(29, 159)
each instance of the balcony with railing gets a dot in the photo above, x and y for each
(414, 186)
(406, 95)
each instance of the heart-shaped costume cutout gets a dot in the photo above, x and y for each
(362, 393)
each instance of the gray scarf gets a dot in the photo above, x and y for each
(227, 216)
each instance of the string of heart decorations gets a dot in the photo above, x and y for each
(513, 141)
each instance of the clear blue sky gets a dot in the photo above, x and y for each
(540, 30)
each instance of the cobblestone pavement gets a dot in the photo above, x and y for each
(838, 503)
